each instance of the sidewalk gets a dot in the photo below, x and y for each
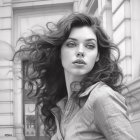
(8, 138)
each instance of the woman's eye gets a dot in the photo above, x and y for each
(70, 44)
(90, 46)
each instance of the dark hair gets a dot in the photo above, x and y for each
(44, 72)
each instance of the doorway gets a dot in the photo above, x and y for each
(33, 126)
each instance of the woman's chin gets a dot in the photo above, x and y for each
(79, 73)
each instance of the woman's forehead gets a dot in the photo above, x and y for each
(84, 32)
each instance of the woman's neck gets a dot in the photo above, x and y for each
(71, 79)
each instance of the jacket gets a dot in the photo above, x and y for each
(103, 116)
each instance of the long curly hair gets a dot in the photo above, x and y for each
(44, 74)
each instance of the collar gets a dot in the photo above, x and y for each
(63, 101)
(88, 90)
(61, 104)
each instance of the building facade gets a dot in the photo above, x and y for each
(121, 20)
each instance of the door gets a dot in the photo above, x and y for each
(33, 126)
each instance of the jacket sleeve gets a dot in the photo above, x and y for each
(110, 115)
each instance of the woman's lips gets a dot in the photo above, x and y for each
(80, 62)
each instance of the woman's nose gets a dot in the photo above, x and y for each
(80, 51)
(80, 54)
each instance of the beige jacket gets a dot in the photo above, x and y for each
(103, 116)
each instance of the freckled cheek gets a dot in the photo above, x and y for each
(66, 54)
(66, 59)
(92, 60)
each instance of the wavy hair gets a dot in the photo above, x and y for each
(44, 74)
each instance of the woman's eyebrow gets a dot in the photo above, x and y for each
(72, 39)
(90, 39)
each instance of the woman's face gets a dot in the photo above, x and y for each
(79, 53)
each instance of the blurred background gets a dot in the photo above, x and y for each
(120, 18)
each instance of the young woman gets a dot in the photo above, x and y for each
(77, 81)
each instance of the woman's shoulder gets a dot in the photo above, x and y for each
(103, 94)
